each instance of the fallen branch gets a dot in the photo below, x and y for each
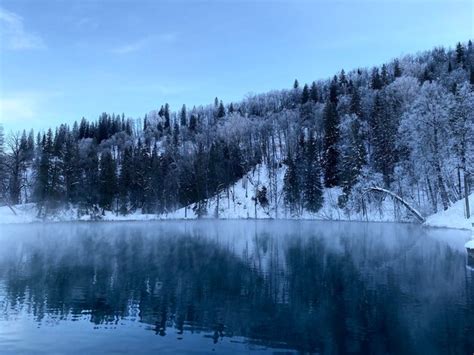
(417, 214)
(10, 207)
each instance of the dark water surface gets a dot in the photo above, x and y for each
(234, 286)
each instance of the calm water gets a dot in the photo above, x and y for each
(234, 286)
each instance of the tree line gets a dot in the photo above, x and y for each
(406, 126)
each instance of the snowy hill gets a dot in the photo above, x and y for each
(453, 217)
(240, 203)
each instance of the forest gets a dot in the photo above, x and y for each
(406, 126)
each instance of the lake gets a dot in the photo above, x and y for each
(234, 287)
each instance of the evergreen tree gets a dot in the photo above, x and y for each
(125, 180)
(220, 110)
(107, 180)
(42, 181)
(312, 188)
(376, 80)
(175, 134)
(397, 71)
(355, 104)
(314, 94)
(460, 53)
(91, 177)
(383, 132)
(166, 115)
(72, 170)
(192, 123)
(331, 139)
(353, 156)
(291, 188)
(305, 94)
(183, 120)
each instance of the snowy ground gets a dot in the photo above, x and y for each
(453, 217)
(238, 203)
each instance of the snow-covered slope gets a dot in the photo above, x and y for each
(454, 216)
(238, 202)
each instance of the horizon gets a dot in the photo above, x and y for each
(91, 58)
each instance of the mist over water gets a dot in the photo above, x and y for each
(227, 286)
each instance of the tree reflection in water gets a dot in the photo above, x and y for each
(306, 286)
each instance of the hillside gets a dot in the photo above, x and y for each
(310, 151)
(239, 203)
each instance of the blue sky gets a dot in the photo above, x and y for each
(61, 60)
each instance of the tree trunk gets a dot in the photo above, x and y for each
(401, 200)
(466, 194)
(442, 188)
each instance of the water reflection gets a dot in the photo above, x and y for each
(315, 287)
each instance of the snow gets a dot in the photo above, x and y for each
(238, 203)
(453, 217)
(27, 213)
(24, 214)
(470, 245)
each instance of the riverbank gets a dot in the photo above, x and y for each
(27, 213)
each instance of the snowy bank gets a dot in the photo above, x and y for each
(28, 213)
(453, 217)
(238, 202)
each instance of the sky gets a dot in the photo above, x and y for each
(63, 60)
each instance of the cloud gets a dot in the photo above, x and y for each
(145, 42)
(13, 34)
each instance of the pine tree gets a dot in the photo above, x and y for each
(71, 170)
(376, 80)
(296, 84)
(333, 91)
(397, 71)
(331, 139)
(312, 188)
(383, 134)
(460, 53)
(314, 94)
(353, 156)
(91, 177)
(42, 177)
(107, 180)
(384, 75)
(291, 188)
(220, 110)
(305, 94)
(183, 120)
(342, 78)
(355, 104)
(166, 115)
(175, 134)
(125, 180)
(192, 123)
